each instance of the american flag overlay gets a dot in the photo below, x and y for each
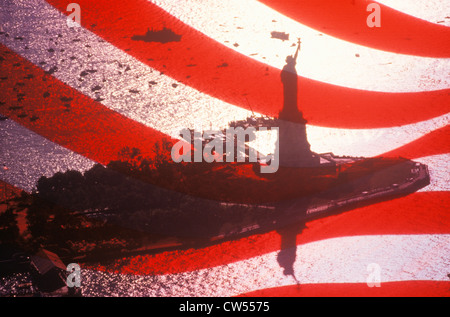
(88, 100)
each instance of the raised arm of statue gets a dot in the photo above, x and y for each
(298, 49)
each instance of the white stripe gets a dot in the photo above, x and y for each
(434, 11)
(358, 142)
(324, 58)
(161, 106)
(337, 260)
(370, 142)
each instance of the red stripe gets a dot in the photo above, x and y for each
(420, 213)
(399, 32)
(85, 127)
(386, 289)
(244, 78)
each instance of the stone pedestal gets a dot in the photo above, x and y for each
(294, 148)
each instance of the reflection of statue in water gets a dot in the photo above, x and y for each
(294, 149)
(288, 249)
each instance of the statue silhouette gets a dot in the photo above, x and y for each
(289, 78)
(294, 148)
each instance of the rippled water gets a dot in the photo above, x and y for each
(20, 284)
(27, 156)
